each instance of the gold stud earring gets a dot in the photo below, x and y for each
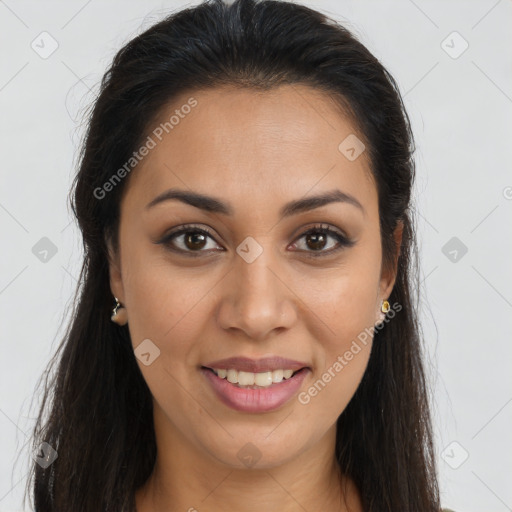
(384, 309)
(119, 314)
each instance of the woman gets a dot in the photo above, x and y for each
(245, 335)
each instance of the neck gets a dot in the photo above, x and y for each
(188, 479)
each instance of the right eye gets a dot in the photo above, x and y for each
(193, 240)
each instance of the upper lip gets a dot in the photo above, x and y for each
(265, 364)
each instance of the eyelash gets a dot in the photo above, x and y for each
(321, 228)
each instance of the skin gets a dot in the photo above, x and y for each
(256, 151)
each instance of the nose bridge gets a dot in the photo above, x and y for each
(257, 285)
(257, 301)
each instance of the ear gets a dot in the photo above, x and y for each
(388, 276)
(116, 280)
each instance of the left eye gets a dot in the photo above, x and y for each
(194, 240)
(317, 236)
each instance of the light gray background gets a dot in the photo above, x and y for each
(461, 110)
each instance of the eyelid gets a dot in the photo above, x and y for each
(320, 226)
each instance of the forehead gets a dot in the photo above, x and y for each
(247, 145)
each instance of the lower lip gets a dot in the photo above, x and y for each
(255, 400)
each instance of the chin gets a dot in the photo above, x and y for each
(257, 451)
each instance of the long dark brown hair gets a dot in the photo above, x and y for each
(96, 409)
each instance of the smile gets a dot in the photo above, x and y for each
(263, 379)
(254, 392)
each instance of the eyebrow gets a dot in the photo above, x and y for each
(215, 205)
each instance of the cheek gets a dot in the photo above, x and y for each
(333, 386)
(344, 301)
(347, 312)
(165, 306)
(162, 299)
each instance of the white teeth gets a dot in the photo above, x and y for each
(246, 378)
(233, 376)
(262, 379)
(277, 375)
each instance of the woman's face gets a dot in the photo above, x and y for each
(257, 286)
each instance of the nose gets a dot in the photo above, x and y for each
(257, 299)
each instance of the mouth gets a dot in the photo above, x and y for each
(255, 392)
(252, 380)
